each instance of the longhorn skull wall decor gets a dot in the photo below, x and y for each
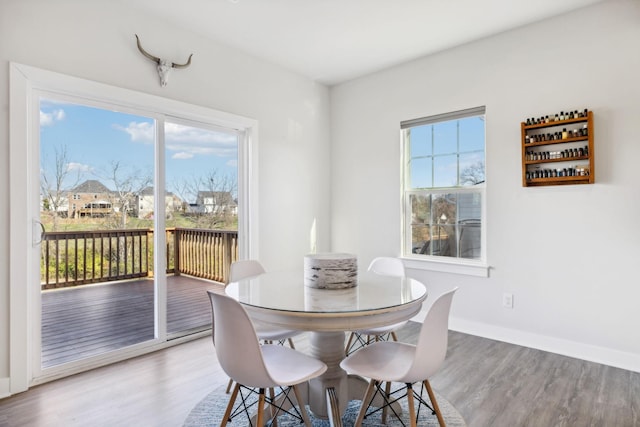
(164, 66)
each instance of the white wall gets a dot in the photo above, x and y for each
(567, 253)
(95, 41)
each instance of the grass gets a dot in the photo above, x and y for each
(177, 220)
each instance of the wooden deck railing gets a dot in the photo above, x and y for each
(201, 253)
(83, 257)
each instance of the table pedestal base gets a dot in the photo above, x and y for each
(329, 394)
(328, 347)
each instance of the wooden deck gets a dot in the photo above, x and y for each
(90, 320)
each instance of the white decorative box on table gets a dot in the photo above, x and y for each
(330, 271)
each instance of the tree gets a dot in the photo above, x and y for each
(53, 184)
(212, 198)
(473, 174)
(127, 184)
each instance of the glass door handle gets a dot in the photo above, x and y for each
(38, 232)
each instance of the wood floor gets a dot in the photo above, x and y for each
(491, 383)
(90, 320)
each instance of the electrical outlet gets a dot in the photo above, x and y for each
(507, 300)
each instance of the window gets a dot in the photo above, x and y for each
(443, 193)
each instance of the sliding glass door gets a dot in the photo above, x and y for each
(115, 197)
(97, 287)
(201, 216)
(139, 217)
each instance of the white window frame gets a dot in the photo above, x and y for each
(464, 266)
(26, 83)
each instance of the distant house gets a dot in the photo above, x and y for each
(91, 198)
(146, 200)
(216, 202)
(52, 202)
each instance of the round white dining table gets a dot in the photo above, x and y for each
(281, 299)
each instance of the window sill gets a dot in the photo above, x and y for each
(468, 268)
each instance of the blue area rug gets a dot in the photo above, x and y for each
(210, 410)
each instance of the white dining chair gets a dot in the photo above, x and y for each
(267, 334)
(386, 266)
(245, 269)
(387, 362)
(254, 366)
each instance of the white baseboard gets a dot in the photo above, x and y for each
(5, 387)
(591, 353)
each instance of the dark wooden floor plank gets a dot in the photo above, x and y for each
(86, 321)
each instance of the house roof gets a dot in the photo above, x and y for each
(148, 191)
(91, 186)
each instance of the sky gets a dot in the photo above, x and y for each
(433, 148)
(95, 138)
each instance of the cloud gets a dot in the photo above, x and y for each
(45, 119)
(71, 166)
(189, 142)
(182, 155)
(139, 131)
(48, 119)
(194, 149)
(186, 142)
(233, 163)
(176, 132)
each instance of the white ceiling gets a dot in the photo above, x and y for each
(332, 41)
